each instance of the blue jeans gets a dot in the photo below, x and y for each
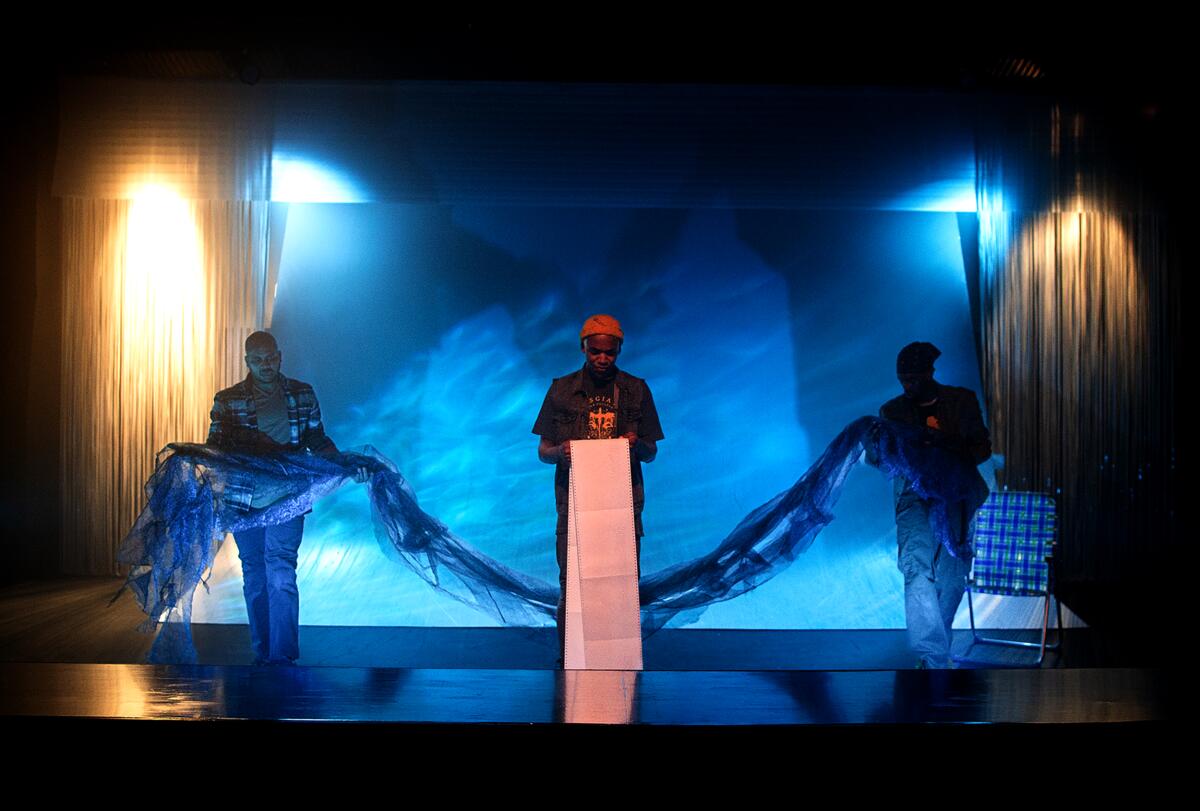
(934, 582)
(269, 556)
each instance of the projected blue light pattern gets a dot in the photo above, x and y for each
(432, 333)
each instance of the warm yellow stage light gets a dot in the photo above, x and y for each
(164, 311)
(163, 261)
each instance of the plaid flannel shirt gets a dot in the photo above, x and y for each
(234, 425)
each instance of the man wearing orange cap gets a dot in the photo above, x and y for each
(598, 401)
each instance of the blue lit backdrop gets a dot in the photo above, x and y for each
(432, 332)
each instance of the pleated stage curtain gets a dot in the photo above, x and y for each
(146, 343)
(1079, 303)
(165, 272)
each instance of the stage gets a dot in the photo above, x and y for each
(70, 671)
(680, 698)
(421, 221)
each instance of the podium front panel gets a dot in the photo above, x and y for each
(603, 615)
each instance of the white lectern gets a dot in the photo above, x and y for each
(604, 630)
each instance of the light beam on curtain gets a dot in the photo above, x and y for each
(165, 272)
(1078, 306)
(151, 329)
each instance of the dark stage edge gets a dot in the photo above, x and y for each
(673, 734)
(488, 696)
(539, 697)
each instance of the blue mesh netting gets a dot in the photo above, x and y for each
(175, 539)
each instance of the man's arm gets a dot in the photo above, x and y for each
(315, 438)
(219, 425)
(548, 429)
(644, 443)
(644, 450)
(552, 454)
(224, 432)
(977, 442)
(972, 441)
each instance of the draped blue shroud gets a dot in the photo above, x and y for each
(175, 538)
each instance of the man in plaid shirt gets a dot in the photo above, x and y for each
(934, 580)
(267, 411)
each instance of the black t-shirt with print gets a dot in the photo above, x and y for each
(576, 407)
(601, 408)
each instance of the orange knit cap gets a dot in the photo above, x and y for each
(601, 325)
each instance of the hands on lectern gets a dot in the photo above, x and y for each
(641, 449)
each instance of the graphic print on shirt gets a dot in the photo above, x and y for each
(602, 417)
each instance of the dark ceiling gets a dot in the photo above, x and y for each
(1137, 63)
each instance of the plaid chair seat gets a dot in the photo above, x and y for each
(1014, 556)
(1014, 535)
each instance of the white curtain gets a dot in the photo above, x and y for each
(165, 270)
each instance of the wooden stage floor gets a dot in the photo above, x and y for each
(69, 668)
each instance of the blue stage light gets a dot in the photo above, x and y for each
(956, 194)
(299, 180)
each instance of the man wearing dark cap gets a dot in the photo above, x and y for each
(268, 411)
(934, 579)
(598, 401)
